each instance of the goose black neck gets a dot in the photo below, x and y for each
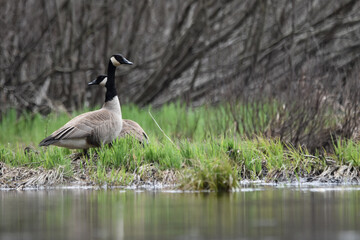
(110, 84)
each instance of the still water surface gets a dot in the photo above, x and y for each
(263, 212)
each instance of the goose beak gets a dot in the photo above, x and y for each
(125, 61)
(92, 83)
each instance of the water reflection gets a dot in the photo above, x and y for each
(266, 213)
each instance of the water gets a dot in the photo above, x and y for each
(263, 212)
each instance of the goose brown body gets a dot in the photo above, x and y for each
(91, 129)
(132, 128)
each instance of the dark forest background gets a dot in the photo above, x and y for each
(199, 51)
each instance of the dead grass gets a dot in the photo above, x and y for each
(23, 177)
(339, 174)
(20, 178)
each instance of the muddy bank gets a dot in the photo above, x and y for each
(84, 175)
(330, 174)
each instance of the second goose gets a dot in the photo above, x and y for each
(96, 128)
(129, 128)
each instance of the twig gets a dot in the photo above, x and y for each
(161, 129)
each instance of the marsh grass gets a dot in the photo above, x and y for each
(347, 152)
(209, 151)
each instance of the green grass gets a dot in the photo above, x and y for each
(347, 152)
(208, 152)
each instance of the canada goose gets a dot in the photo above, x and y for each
(132, 128)
(96, 128)
(129, 127)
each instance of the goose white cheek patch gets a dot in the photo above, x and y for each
(114, 61)
(103, 82)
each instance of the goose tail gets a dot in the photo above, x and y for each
(48, 141)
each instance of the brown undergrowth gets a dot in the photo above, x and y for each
(148, 175)
(21, 178)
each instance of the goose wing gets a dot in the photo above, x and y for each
(84, 126)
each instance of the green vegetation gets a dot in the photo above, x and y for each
(210, 151)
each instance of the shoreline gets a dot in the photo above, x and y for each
(151, 178)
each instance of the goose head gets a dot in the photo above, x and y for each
(118, 59)
(100, 80)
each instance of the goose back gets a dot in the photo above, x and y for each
(132, 128)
